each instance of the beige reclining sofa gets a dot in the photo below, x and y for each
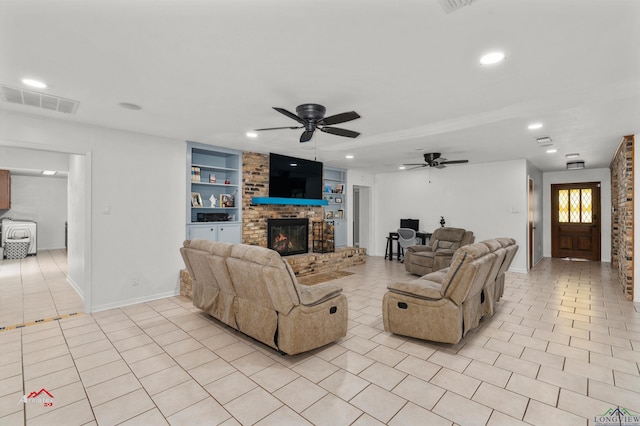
(444, 305)
(421, 260)
(253, 290)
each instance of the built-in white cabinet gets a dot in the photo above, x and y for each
(227, 233)
(335, 186)
(214, 179)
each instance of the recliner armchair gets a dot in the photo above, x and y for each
(421, 260)
(441, 311)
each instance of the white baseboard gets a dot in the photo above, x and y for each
(135, 301)
(76, 287)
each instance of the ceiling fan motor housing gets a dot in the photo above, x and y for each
(311, 111)
(431, 157)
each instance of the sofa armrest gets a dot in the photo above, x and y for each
(423, 289)
(311, 295)
(418, 248)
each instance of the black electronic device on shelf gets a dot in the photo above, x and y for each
(212, 217)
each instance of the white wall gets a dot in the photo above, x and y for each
(587, 175)
(139, 180)
(31, 159)
(489, 199)
(77, 258)
(43, 200)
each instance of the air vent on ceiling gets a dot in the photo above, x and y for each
(453, 5)
(544, 141)
(40, 100)
(575, 165)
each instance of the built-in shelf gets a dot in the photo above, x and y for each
(288, 201)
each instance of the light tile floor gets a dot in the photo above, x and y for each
(563, 347)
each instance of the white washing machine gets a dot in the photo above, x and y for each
(20, 229)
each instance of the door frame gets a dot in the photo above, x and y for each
(531, 223)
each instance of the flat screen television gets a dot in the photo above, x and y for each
(291, 177)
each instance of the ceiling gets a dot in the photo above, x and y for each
(210, 71)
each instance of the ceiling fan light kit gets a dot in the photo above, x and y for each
(311, 117)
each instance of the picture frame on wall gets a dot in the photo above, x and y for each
(196, 200)
(329, 215)
(338, 200)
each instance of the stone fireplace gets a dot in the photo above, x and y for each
(288, 236)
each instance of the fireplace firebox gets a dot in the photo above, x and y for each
(288, 236)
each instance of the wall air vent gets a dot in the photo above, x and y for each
(544, 141)
(39, 100)
(453, 5)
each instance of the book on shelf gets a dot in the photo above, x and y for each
(195, 174)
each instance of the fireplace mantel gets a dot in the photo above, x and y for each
(288, 201)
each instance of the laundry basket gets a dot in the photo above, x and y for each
(16, 248)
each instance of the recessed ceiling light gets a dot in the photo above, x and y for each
(402, 167)
(492, 58)
(34, 83)
(535, 126)
(552, 151)
(294, 164)
(48, 172)
(348, 157)
(252, 135)
(572, 155)
(128, 105)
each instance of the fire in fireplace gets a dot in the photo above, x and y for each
(288, 236)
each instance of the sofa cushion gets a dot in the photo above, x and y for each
(311, 295)
(252, 265)
(420, 288)
(447, 234)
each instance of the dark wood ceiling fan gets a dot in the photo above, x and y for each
(434, 159)
(311, 117)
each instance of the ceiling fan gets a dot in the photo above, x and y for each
(311, 117)
(434, 159)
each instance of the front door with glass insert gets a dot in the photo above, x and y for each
(575, 220)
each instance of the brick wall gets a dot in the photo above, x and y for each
(255, 183)
(622, 214)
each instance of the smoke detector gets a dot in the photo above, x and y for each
(39, 100)
(453, 5)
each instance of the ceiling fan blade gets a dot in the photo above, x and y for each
(454, 162)
(277, 128)
(439, 166)
(289, 114)
(416, 164)
(340, 118)
(340, 132)
(306, 136)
